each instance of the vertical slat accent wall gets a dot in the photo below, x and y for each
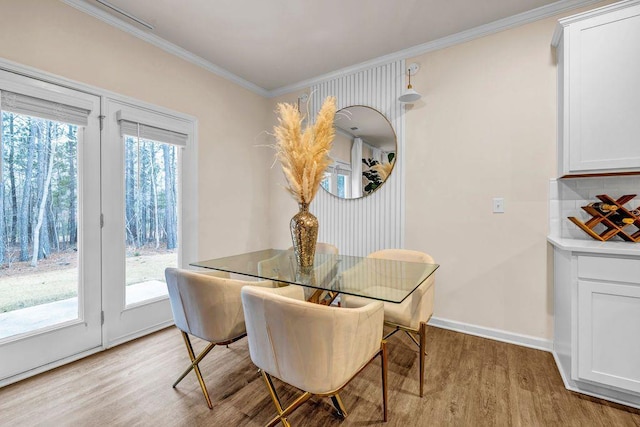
(360, 226)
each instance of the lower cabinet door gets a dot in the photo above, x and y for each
(609, 334)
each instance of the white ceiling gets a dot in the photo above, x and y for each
(276, 44)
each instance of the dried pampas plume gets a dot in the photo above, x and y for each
(304, 154)
(383, 170)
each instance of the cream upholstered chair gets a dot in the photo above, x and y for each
(411, 315)
(312, 347)
(326, 248)
(207, 306)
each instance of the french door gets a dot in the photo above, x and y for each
(143, 153)
(91, 213)
(50, 239)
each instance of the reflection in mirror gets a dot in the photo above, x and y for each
(363, 153)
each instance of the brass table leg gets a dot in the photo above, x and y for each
(337, 403)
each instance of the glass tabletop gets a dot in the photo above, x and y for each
(380, 279)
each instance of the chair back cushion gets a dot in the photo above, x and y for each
(310, 346)
(402, 255)
(418, 307)
(207, 306)
(277, 267)
(326, 248)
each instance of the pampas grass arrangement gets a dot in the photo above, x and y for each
(304, 154)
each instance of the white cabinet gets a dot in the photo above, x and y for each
(599, 90)
(608, 321)
(597, 323)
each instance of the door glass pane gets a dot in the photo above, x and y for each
(38, 224)
(341, 186)
(151, 223)
(326, 181)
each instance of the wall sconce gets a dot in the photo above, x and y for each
(304, 98)
(410, 95)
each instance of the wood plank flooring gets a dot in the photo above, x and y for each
(470, 381)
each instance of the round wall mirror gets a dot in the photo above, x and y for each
(363, 153)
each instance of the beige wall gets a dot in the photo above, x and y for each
(485, 128)
(233, 172)
(283, 207)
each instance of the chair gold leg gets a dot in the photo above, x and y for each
(274, 422)
(410, 335)
(194, 365)
(423, 342)
(337, 403)
(391, 333)
(420, 343)
(282, 414)
(276, 401)
(272, 391)
(384, 363)
(195, 362)
(295, 405)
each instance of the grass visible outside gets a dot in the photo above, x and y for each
(24, 286)
(145, 267)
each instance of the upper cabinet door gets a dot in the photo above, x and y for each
(599, 108)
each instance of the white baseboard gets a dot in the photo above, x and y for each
(49, 366)
(560, 366)
(493, 334)
(139, 333)
(73, 358)
(619, 397)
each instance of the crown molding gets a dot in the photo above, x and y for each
(444, 42)
(163, 44)
(461, 37)
(564, 22)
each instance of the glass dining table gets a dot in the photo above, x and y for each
(331, 275)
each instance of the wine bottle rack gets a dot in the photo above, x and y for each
(627, 232)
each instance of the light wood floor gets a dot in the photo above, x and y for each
(470, 381)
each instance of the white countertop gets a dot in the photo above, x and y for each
(595, 247)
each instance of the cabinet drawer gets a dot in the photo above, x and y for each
(609, 269)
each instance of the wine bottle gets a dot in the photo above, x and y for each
(603, 208)
(619, 219)
(635, 212)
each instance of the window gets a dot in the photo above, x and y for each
(38, 211)
(337, 180)
(151, 222)
(150, 209)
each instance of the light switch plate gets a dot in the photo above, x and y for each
(498, 205)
